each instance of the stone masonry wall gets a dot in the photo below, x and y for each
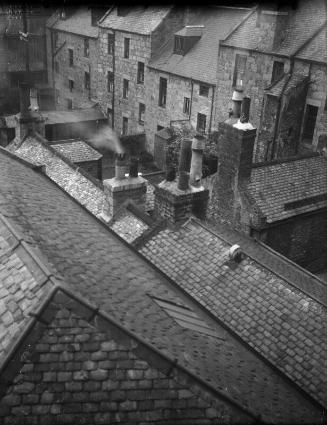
(105, 64)
(177, 89)
(80, 96)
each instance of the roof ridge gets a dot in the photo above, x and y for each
(246, 17)
(168, 366)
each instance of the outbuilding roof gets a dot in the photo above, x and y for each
(76, 150)
(96, 265)
(200, 62)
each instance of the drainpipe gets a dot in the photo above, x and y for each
(113, 88)
(212, 100)
(275, 145)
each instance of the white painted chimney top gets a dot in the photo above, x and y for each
(234, 252)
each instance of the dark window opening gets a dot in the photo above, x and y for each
(309, 123)
(126, 48)
(87, 80)
(69, 104)
(110, 82)
(110, 117)
(239, 70)
(140, 73)
(125, 88)
(201, 123)
(125, 125)
(204, 90)
(111, 44)
(86, 47)
(179, 46)
(162, 92)
(187, 104)
(141, 113)
(278, 71)
(71, 57)
(160, 127)
(71, 85)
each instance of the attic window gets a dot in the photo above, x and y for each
(203, 90)
(186, 317)
(278, 71)
(179, 48)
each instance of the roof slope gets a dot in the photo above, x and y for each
(78, 23)
(316, 49)
(71, 370)
(303, 23)
(290, 188)
(140, 20)
(200, 62)
(102, 269)
(76, 150)
(280, 321)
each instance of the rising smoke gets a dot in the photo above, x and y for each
(107, 139)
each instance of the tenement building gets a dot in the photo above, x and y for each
(129, 37)
(181, 83)
(72, 47)
(278, 58)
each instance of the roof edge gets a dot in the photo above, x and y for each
(246, 17)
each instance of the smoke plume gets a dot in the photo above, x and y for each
(107, 139)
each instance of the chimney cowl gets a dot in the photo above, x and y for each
(237, 95)
(235, 253)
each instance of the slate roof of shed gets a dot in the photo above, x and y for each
(278, 319)
(302, 182)
(304, 22)
(97, 265)
(76, 150)
(78, 23)
(201, 61)
(139, 20)
(291, 80)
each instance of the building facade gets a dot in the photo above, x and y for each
(278, 58)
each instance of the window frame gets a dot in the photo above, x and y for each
(125, 88)
(71, 85)
(87, 87)
(69, 104)
(238, 58)
(140, 72)
(203, 90)
(110, 82)
(162, 101)
(110, 113)
(110, 44)
(275, 75)
(71, 57)
(86, 48)
(198, 121)
(187, 105)
(125, 129)
(127, 43)
(179, 45)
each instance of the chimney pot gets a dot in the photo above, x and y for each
(245, 109)
(198, 145)
(237, 101)
(235, 253)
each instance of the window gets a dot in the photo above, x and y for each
(56, 66)
(162, 92)
(110, 117)
(110, 82)
(141, 113)
(87, 80)
(203, 90)
(278, 71)
(140, 73)
(309, 123)
(69, 104)
(187, 104)
(125, 89)
(159, 127)
(71, 85)
(126, 48)
(71, 57)
(179, 45)
(201, 123)
(125, 125)
(239, 70)
(111, 42)
(86, 47)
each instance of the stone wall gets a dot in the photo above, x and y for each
(302, 239)
(177, 89)
(94, 168)
(80, 96)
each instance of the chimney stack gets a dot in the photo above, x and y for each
(184, 164)
(198, 145)
(120, 166)
(235, 152)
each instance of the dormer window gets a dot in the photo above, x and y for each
(186, 38)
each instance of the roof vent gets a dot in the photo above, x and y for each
(235, 253)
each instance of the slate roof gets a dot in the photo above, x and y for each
(76, 150)
(304, 22)
(316, 49)
(71, 370)
(290, 188)
(201, 61)
(79, 184)
(291, 80)
(77, 115)
(95, 264)
(78, 23)
(140, 20)
(275, 317)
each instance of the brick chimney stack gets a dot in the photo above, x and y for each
(121, 188)
(28, 122)
(235, 152)
(177, 201)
